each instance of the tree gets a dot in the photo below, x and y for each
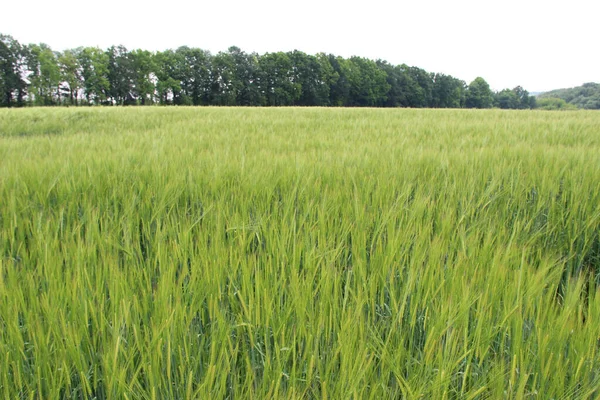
(327, 77)
(311, 74)
(195, 74)
(94, 71)
(45, 74)
(516, 99)
(479, 94)
(12, 85)
(533, 102)
(554, 103)
(277, 80)
(396, 95)
(584, 96)
(225, 84)
(411, 87)
(121, 75)
(506, 99)
(339, 87)
(168, 77)
(524, 100)
(368, 83)
(142, 62)
(70, 75)
(421, 87)
(192, 76)
(247, 78)
(447, 92)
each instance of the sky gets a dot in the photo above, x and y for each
(538, 44)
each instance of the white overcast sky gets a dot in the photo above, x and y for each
(539, 44)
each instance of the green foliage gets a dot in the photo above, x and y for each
(121, 75)
(479, 94)
(185, 253)
(339, 87)
(586, 96)
(553, 103)
(515, 99)
(45, 76)
(396, 95)
(170, 69)
(367, 82)
(71, 75)
(506, 99)
(192, 76)
(277, 79)
(247, 78)
(12, 84)
(225, 84)
(142, 63)
(420, 87)
(312, 73)
(448, 92)
(94, 71)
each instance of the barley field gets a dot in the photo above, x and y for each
(299, 253)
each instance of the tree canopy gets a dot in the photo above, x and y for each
(35, 74)
(585, 96)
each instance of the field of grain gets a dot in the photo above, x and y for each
(156, 253)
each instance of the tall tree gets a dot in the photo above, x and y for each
(368, 83)
(12, 83)
(225, 84)
(517, 98)
(506, 99)
(524, 100)
(121, 75)
(447, 92)
(94, 71)
(395, 78)
(327, 78)
(277, 79)
(339, 87)
(479, 94)
(195, 74)
(420, 87)
(247, 78)
(311, 75)
(70, 75)
(168, 77)
(45, 75)
(142, 63)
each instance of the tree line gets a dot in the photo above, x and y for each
(36, 75)
(586, 96)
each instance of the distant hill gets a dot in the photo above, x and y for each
(586, 96)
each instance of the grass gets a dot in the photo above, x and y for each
(150, 253)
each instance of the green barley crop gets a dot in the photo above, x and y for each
(154, 253)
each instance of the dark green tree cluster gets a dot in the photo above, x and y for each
(36, 75)
(553, 103)
(586, 96)
(13, 87)
(515, 99)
